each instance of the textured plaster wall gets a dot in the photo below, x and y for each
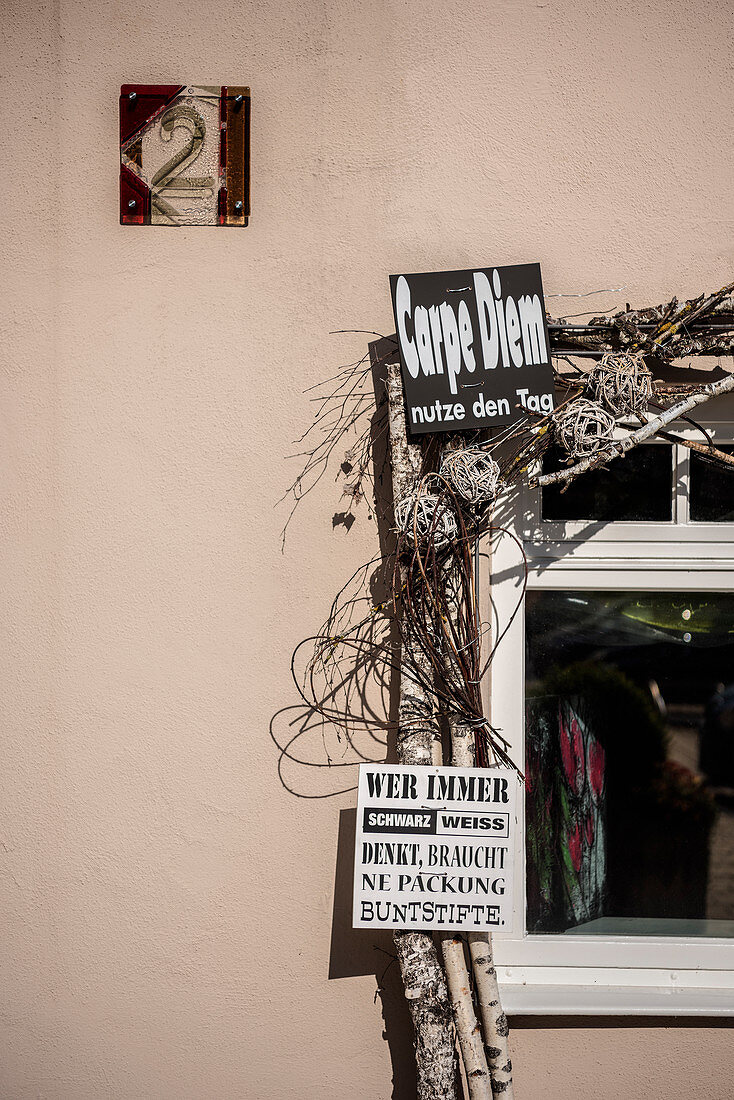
(166, 906)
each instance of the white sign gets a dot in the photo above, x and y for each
(434, 847)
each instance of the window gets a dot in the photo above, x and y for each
(616, 685)
(712, 490)
(637, 488)
(629, 754)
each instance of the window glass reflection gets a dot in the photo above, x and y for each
(630, 762)
(637, 487)
(712, 489)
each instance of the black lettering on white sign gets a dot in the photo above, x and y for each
(434, 847)
(473, 347)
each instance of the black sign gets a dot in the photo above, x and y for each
(473, 347)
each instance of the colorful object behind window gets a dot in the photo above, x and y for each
(565, 814)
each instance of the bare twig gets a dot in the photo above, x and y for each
(706, 449)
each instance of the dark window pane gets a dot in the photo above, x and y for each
(638, 487)
(630, 762)
(712, 489)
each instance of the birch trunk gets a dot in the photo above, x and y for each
(457, 973)
(418, 736)
(465, 1018)
(494, 1021)
(497, 1062)
(496, 1028)
(430, 1010)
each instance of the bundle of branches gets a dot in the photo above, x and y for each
(425, 624)
(443, 628)
(701, 326)
(434, 588)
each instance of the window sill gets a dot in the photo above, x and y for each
(526, 999)
(655, 926)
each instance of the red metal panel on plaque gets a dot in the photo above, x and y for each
(184, 155)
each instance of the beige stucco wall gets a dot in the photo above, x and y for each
(166, 904)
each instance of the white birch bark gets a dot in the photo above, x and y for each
(430, 1010)
(494, 1021)
(418, 736)
(465, 1018)
(457, 973)
(496, 1052)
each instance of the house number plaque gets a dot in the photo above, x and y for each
(184, 155)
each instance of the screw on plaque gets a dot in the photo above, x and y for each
(238, 101)
(132, 204)
(238, 207)
(132, 96)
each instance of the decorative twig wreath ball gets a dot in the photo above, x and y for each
(420, 516)
(583, 427)
(620, 382)
(472, 474)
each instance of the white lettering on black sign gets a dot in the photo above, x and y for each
(433, 847)
(473, 347)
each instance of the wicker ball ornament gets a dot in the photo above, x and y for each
(472, 474)
(620, 382)
(426, 515)
(583, 427)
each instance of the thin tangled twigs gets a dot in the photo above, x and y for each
(363, 632)
(439, 605)
(343, 402)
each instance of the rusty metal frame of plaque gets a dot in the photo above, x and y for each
(184, 155)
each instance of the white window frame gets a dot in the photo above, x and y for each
(582, 974)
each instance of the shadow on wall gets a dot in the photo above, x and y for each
(359, 951)
(319, 759)
(347, 674)
(349, 696)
